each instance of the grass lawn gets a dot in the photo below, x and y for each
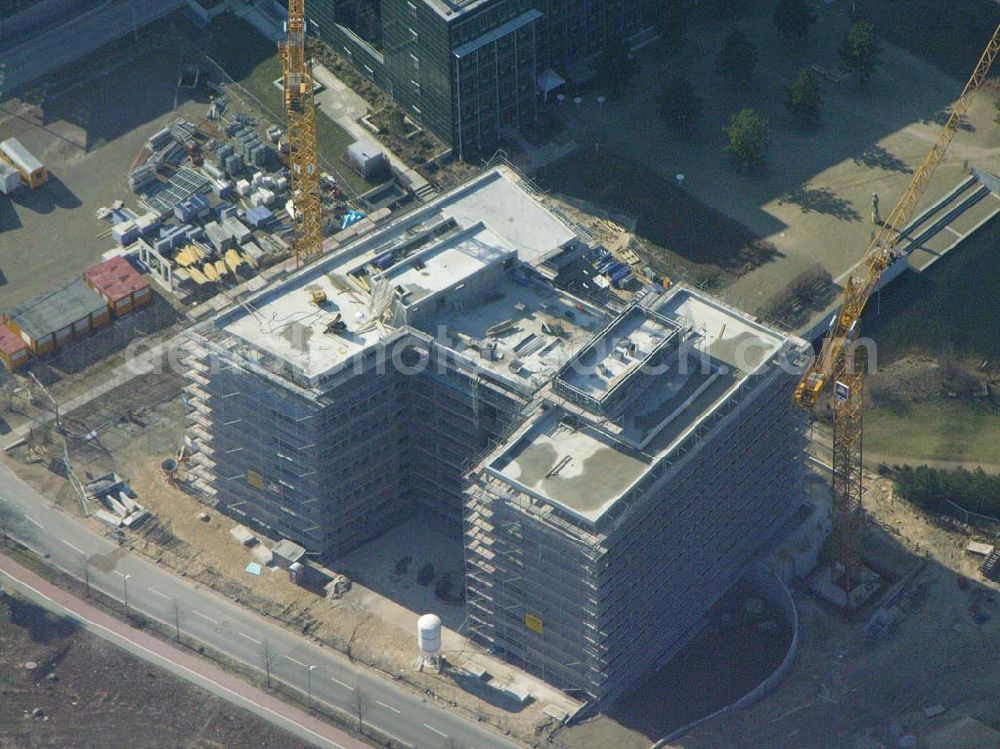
(954, 304)
(934, 430)
(948, 34)
(252, 60)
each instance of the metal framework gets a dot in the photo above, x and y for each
(300, 109)
(838, 361)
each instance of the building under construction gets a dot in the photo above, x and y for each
(614, 466)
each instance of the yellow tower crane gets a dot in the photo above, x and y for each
(840, 362)
(300, 109)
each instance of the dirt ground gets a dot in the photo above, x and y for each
(92, 694)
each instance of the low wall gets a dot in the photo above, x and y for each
(776, 593)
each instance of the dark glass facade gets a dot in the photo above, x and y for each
(468, 70)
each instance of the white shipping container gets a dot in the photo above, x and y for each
(20, 156)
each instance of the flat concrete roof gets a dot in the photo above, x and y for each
(456, 235)
(447, 264)
(724, 334)
(583, 464)
(541, 329)
(614, 356)
(512, 213)
(579, 469)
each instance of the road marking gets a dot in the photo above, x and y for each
(155, 592)
(345, 686)
(79, 551)
(388, 707)
(32, 520)
(252, 639)
(205, 616)
(432, 728)
(295, 661)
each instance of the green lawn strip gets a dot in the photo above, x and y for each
(934, 430)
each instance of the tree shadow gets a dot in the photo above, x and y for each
(877, 156)
(820, 200)
(43, 627)
(664, 214)
(941, 117)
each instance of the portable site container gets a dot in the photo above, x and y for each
(121, 286)
(13, 351)
(33, 172)
(53, 318)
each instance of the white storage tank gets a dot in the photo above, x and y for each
(429, 636)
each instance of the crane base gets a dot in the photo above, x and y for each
(828, 584)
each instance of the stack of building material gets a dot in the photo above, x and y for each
(54, 317)
(182, 131)
(236, 227)
(158, 140)
(189, 256)
(121, 286)
(141, 177)
(219, 237)
(147, 222)
(194, 207)
(125, 232)
(13, 350)
(259, 216)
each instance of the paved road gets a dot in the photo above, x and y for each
(409, 718)
(77, 37)
(180, 662)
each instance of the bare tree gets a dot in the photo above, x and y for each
(359, 706)
(86, 576)
(4, 522)
(268, 657)
(177, 619)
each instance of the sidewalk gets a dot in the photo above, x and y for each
(179, 662)
(339, 102)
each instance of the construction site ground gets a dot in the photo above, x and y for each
(89, 693)
(374, 622)
(87, 124)
(811, 199)
(848, 691)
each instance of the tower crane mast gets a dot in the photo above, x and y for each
(300, 110)
(840, 363)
